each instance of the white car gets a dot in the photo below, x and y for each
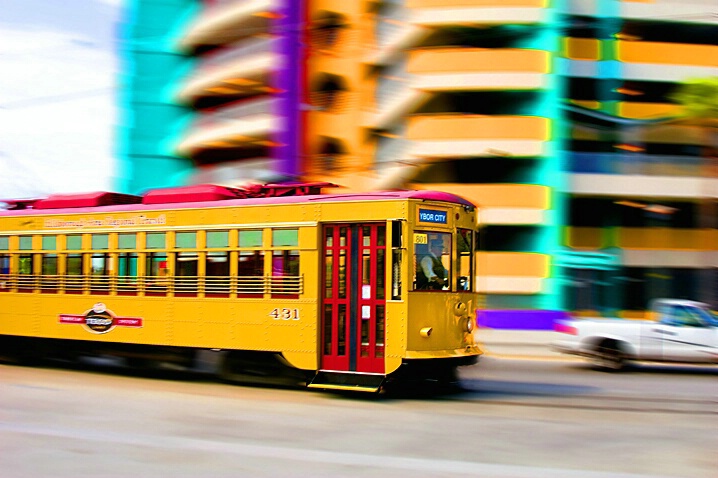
(680, 331)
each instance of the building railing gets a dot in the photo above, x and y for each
(636, 163)
(124, 285)
(239, 50)
(646, 238)
(392, 83)
(244, 109)
(329, 164)
(390, 150)
(392, 21)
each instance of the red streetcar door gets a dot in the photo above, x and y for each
(354, 297)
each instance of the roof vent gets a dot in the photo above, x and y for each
(17, 204)
(198, 193)
(59, 201)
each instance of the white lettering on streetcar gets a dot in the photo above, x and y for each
(284, 314)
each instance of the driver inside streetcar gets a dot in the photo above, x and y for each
(431, 273)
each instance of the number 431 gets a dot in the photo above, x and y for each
(285, 314)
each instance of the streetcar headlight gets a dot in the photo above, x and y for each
(469, 325)
(460, 309)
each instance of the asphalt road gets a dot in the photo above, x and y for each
(513, 418)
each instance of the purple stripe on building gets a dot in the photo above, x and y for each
(519, 319)
(288, 80)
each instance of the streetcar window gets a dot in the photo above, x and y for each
(49, 243)
(127, 265)
(285, 268)
(127, 241)
(396, 253)
(250, 238)
(74, 242)
(156, 270)
(380, 332)
(26, 268)
(432, 263)
(156, 265)
(464, 274)
(25, 264)
(4, 264)
(187, 264)
(217, 264)
(328, 265)
(251, 263)
(73, 284)
(99, 265)
(49, 279)
(251, 272)
(218, 239)
(285, 263)
(25, 243)
(186, 271)
(328, 310)
(4, 243)
(155, 240)
(74, 264)
(100, 241)
(186, 240)
(217, 272)
(380, 267)
(374, 275)
(99, 269)
(127, 272)
(49, 264)
(285, 237)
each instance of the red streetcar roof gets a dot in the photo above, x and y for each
(203, 196)
(84, 200)
(199, 193)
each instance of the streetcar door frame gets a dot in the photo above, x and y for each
(352, 329)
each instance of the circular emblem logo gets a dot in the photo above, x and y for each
(98, 319)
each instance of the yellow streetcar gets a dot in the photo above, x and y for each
(276, 282)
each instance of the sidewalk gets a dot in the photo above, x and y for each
(520, 343)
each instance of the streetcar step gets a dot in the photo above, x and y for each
(358, 382)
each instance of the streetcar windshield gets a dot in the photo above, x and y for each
(465, 250)
(432, 262)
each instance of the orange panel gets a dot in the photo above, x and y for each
(668, 53)
(584, 237)
(437, 60)
(474, 3)
(666, 238)
(497, 195)
(647, 110)
(478, 127)
(521, 264)
(582, 48)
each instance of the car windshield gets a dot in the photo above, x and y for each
(710, 317)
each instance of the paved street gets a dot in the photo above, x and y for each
(516, 418)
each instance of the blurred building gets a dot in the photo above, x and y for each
(553, 116)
